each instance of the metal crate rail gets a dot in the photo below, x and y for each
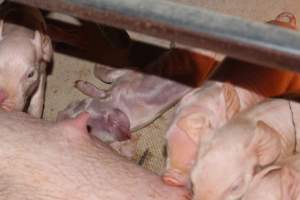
(250, 41)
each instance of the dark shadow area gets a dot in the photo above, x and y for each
(101, 44)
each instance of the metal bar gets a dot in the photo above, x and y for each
(254, 42)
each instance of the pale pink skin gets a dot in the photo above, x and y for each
(23, 57)
(134, 100)
(257, 137)
(277, 182)
(197, 115)
(45, 160)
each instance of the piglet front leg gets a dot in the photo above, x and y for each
(90, 89)
(108, 74)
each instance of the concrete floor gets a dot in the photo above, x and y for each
(60, 91)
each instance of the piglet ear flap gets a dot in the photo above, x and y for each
(43, 46)
(265, 144)
(232, 100)
(264, 172)
(1, 29)
(37, 42)
(193, 125)
(79, 122)
(47, 49)
(290, 184)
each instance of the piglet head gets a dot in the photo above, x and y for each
(193, 127)
(106, 122)
(184, 133)
(226, 166)
(110, 125)
(20, 59)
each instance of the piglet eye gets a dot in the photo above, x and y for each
(237, 189)
(31, 74)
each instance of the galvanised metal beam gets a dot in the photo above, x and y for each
(250, 41)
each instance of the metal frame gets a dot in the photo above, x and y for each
(250, 41)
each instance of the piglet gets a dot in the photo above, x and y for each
(197, 115)
(277, 182)
(25, 48)
(255, 138)
(134, 100)
(211, 106)
(62, 161)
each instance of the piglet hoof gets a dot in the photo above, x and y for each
(89, 89)
(175, 178)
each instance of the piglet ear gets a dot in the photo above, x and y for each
(265, 144)
(47, 49)
(79, 122)
(290, 184)
(193, 125)
(1, 29)
(264, 172)
(43, 46)
(232, 100)
(37, 42)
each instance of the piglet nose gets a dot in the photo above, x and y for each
(3, 95)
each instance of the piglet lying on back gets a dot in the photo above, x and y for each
(61, 161)
(24, 51)
(134, 100)
(255, 138)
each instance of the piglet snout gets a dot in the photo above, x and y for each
(174, 177)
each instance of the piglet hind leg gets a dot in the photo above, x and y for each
(108, 74)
